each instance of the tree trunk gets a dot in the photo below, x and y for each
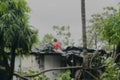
(6, 65)
(83, 15)
(12, 64)
(5, 60)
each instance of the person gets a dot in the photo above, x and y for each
(56, 44)
(57, 47)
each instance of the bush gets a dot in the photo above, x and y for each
(112, 71)
(64, 76)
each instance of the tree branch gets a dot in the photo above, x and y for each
(59, 68)
(15, 74)
(92, 75)
(63, 68)
(20, 76)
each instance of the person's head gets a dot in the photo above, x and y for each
(55, 40)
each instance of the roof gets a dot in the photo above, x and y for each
(48, 49)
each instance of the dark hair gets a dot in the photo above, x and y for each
(55, 40)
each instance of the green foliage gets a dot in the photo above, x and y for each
(64, 76)
(31, 72)
(47, 38)
(97, 60)
(64, 34)
(110, 26)
(15, 30)
(112, 71)
(105, 26)
(40, 77)
(110, 29)
(16, 35)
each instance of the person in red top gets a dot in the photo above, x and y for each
(56, 44)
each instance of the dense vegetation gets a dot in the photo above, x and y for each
(17, 37)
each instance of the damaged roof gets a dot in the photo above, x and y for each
(45, 49)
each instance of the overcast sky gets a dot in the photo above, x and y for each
(46, 13)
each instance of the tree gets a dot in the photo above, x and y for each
(112, 71)
(92, 34)
(63, 33)
(106, 25)
(16, 35)
(47, 38)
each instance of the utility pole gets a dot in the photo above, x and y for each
(84, 38)
(83, 16)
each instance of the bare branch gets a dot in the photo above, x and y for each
(63, 68)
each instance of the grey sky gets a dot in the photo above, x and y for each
(46, 13)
